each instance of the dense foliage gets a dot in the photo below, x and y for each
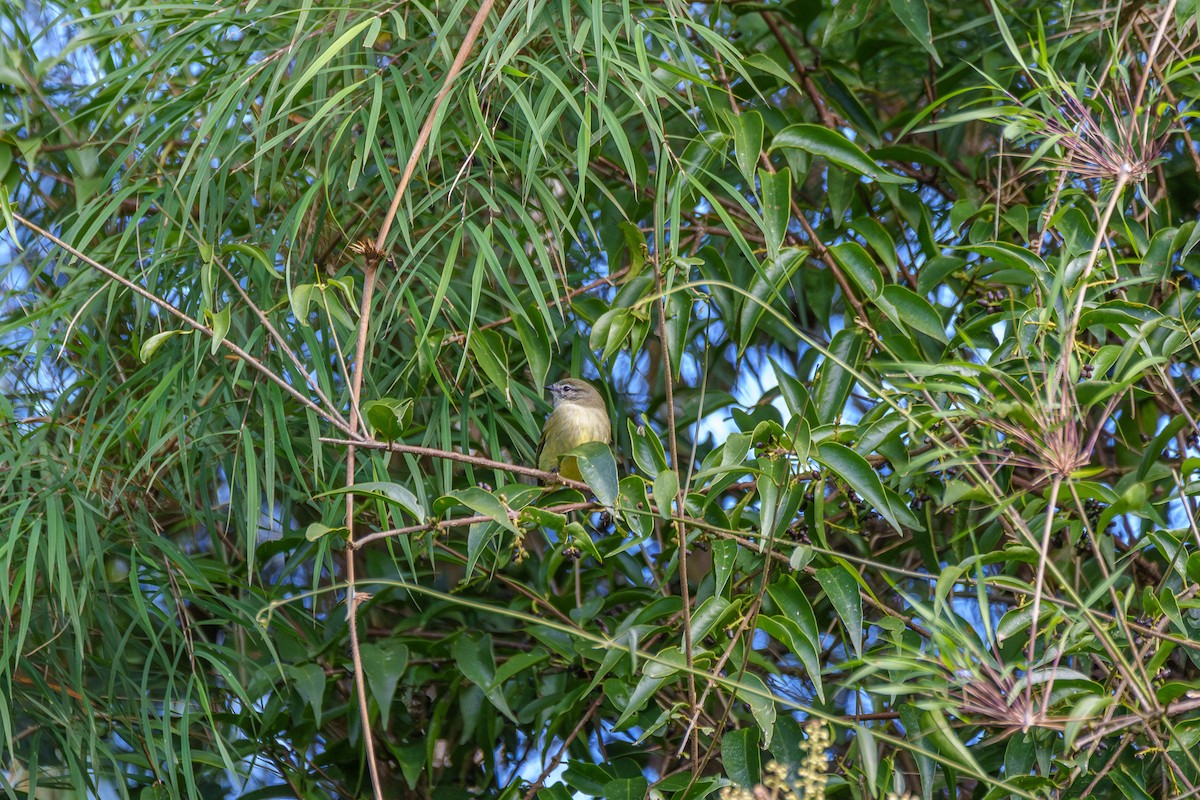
(894, 305)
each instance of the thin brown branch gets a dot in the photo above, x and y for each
(427, 128)
(554, 762)
(459, 522)
(195, 325)
(457, 338)
(353, 596)
(465, 458)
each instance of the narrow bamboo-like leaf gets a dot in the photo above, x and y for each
(488, 349)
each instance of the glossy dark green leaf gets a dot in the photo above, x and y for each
(842, 590)
(741, 756)
(747, 129)
(836, 148)
(855, 471)
(907, 309)
(388, 417)
(835, 379)
(914, 15)
(666, 486)
(776, 191)
(599, 470)
(857, 263)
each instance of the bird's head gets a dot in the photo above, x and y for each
(575, 391)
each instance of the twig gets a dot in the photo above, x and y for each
(455, 338)
(554, 762)
(427, 128)
(680, 530)
(465, 458)
(370, 270)
(189, 321)
(457, 523)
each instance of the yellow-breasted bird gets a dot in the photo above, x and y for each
(579, 416)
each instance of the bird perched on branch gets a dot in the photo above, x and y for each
(579, 416)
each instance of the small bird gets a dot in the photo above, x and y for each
(579, 416)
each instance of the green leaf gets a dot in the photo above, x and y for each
(766, 289)
(741, 756)
(535, 341)
(753, 691)
(156, 341)
(776, 190)
(220, 328)
(382, 490)
(648, 451)
(708, 616)
(835, 381)
(388, 417)
(907, 309)
(384, 664)
(854, 470)
(474, 658)
(626, 789)
(914, 15)
(309, 680)
(842, 590)
(316, 531)
(747, 129)
(486, 503)
(255, 254)
(856, 262)
(599, 471)
(666, 487)
(488, 349)
(834, 147)
(635, 244)
(787, 633)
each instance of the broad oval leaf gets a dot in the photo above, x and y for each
(834, 147)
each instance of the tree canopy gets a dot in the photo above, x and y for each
(893, 305)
